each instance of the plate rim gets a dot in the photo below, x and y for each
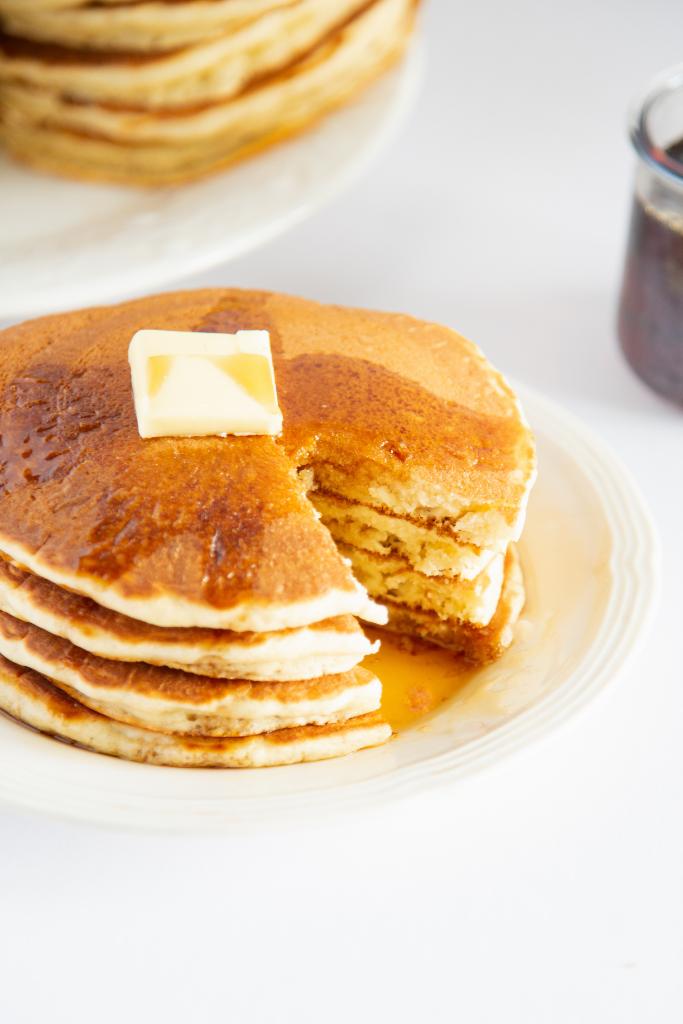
(626, 621)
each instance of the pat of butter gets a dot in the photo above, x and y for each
(186, 383)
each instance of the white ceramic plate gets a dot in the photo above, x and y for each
(66, 244)
(591, 562)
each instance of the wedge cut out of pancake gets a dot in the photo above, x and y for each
(323, 648)
(168, 700)
(32, 699)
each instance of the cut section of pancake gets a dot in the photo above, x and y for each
(212, 70)
(477, 644)
(168, 700)
(95, 141)
(408, 417)
(433, 549)
(154, 26)
(390, 578)
(32, 699)
(323, 648)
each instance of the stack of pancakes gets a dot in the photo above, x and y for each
(159, 91)
(182, 600)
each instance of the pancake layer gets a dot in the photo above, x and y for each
(389, 577)
(197, 110)
(323, 648)
(33, 700)
(155, 26)
(168, 700)
(216, 69)
(476, 644)
(431, 548)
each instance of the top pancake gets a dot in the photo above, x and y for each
(210, 71)
(217, 532)
(145, 25)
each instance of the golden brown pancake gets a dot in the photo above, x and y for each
(379, 408)
(209, 71)
(30, 698)
(322, 648)
(147, 526)
(476, 644)
(168, 700)
(210, 549)
(73, 132)
(145, 25)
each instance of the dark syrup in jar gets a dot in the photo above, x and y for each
(651, 306)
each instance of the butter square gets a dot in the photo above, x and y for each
(188, 383)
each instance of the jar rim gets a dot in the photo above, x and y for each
(665, 83)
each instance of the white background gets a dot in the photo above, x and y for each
(550, 889)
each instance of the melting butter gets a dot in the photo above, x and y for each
(188, 383)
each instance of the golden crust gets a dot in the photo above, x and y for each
(85, 613)
(157, 681)
(382, 395)
(30, 698)
(176, 702)
(144, 25)
(86, 495)
(46, 129)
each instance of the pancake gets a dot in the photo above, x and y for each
(30, 698)
(144, 527)
(379, 408)
(434, 550)
(94, 509)
(154, 26)
(211, 70)
(146, 146)
(171, 701)
(404, 455)
(476, 644)
(408, 418)
(323, 648)
(389, 577)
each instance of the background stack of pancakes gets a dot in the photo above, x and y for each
(158, 91)
(180, 600)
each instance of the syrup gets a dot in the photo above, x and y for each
(417, 678)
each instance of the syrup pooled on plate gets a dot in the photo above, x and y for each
(417, 678)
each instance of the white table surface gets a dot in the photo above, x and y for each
(550, 889)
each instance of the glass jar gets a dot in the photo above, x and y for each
(651, 304)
